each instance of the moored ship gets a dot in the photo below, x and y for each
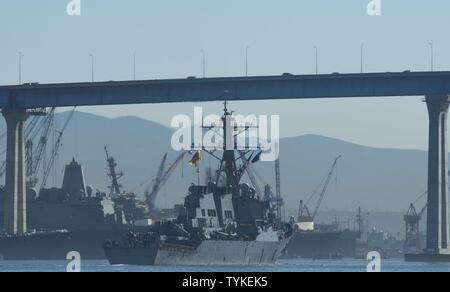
(60, 220)
(313, 241)
(322, 244)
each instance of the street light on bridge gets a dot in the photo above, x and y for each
(20, 67)
(204, 62)
(92, 67)
(317, 59)
(432, 55)
(362, 56)
(246, 60)
(134, 65)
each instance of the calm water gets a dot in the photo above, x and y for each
(281, 266)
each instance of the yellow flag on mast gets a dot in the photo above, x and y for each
(197, 156)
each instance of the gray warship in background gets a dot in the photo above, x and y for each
(73, 217)
(60, 220)
(320, 241)
(224, 222)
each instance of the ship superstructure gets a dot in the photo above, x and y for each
(224, 222)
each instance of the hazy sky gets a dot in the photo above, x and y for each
(168, 36)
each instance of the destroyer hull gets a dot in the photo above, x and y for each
(208, 253)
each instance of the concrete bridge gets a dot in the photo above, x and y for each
(16, 101)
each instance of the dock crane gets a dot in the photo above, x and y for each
(161, 178)
(39, 129)
(55, 149)
(412, 227)
(303, 214)
(35, 126)
(35, 156)
(150, 196)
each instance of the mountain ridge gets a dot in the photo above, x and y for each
(377, 179)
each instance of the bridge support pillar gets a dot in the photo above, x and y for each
(437, 213)
(15, 210)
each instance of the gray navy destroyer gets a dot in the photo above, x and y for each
(223, 222)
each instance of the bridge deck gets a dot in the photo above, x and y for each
(231, 88)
